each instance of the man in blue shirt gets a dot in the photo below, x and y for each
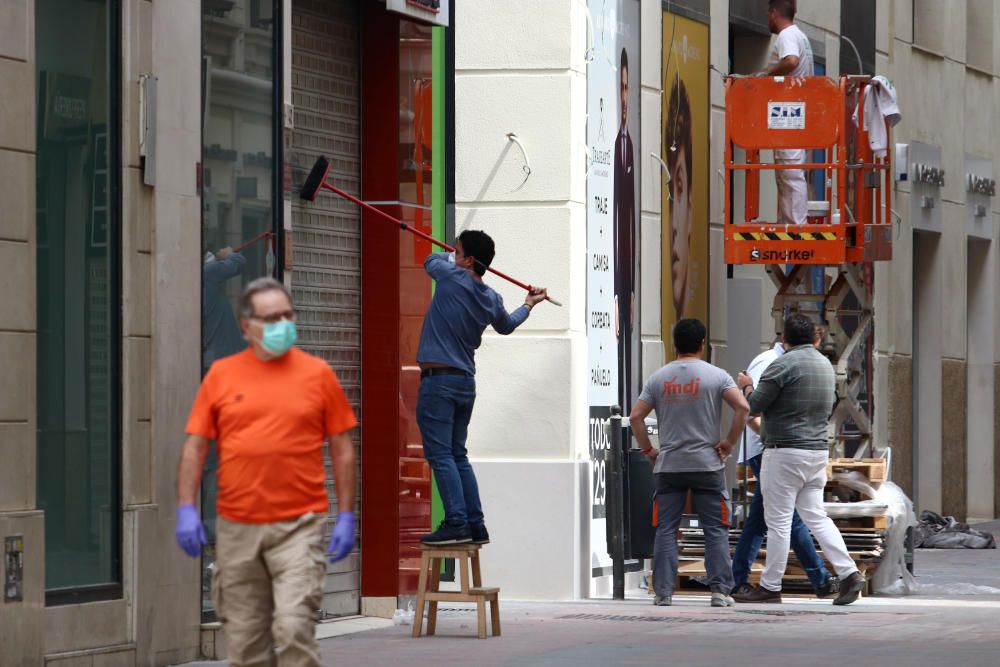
(221, 335)
(462, 307)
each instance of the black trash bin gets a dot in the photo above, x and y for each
(640, 493)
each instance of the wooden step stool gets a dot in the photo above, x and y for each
(431, 560)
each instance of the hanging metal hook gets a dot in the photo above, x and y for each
(666, 172)
(526, 167)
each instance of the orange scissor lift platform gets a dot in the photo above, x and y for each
(847, 230)
(768, 113)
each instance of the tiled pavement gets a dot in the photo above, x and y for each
(935, 630)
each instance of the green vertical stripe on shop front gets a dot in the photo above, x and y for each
(438, 141)
(438, 203)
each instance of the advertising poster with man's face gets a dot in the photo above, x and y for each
(685, 117)
(627, 205)
(613, 147)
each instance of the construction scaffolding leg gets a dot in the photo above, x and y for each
(848, 351)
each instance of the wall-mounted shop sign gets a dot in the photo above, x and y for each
(979, 188)
(428, 11)
(980, 185)
(927, 178)
(925, 173)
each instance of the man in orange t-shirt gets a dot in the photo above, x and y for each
(270, 408)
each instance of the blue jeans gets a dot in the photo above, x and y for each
(753, 534)
(444, 408)
(709, 501)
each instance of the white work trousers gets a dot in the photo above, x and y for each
(793, 479)
(792, 192)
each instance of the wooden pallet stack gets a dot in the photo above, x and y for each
(863, 535)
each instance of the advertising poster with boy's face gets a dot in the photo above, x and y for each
(685, 120)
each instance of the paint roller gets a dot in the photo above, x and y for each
(317, 180)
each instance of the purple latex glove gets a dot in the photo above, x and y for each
(342, 537)
(189, 531)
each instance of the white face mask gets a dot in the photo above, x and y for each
(451, 257)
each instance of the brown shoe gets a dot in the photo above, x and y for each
(850, 588)
(758, 594)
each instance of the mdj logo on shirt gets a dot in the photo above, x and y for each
(683, 392)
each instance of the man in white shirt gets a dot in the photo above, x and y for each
(791, 55)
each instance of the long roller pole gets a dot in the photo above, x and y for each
(249, 243)
(317, 180)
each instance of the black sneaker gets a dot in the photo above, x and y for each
(829, 587)
(479, 534)
(741, 589)
(446, 534)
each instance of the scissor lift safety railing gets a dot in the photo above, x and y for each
(847, 230)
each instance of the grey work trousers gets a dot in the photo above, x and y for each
(710, 502)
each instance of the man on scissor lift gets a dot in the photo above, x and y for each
(791, 55)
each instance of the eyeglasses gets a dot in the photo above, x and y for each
(275, 317)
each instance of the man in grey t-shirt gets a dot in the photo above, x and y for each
(687, 395)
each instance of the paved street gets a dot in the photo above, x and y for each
(878, 632)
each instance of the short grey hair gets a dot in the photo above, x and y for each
(256, 287)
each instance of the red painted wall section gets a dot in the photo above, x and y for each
(380, 394)
(396, 291)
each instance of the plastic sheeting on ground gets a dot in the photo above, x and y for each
(944, 532)
(863, 508)
(892, 577)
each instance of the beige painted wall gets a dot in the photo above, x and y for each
(527, 77)
(930, 76)
(175, 591)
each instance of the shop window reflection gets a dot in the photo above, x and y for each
(415, 286)
(237, 190)
(414, 474)
(78, 298)
(415, 114)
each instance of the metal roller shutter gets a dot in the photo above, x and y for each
(326, 277)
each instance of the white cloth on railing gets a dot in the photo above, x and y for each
(881, 107)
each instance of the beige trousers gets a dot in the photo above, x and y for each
(267, 585)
